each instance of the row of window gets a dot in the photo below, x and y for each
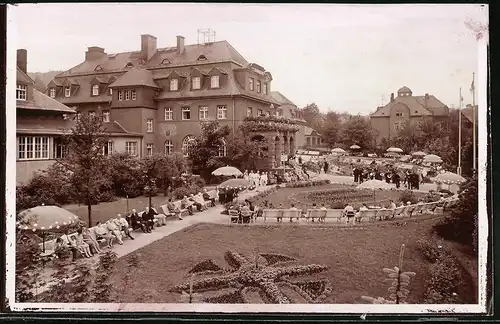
(202, 113)
(257, 86)
(196, 83)
(105, 115)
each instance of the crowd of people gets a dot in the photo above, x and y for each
(411, 179)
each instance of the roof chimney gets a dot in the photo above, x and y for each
(425, 99)
(22, 60)
(94, 53)
(180, 44)
(392, 97)
(148, 46)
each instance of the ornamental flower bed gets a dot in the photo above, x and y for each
(257, 280)
(301, 184)
(336, 196)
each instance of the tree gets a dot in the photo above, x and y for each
(407, 138)
(357, 130)
(204, 150)
(330, 129)
(246, 150)
(312, 116)
(85, 160)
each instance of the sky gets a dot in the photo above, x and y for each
(342, 57)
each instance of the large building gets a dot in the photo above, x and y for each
(405, 109)
(40, 121)
(164, 93)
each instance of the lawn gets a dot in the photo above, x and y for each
(354, 256)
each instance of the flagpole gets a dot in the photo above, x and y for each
(473, 121)
(459, 167)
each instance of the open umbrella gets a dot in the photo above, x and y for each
(419, 153)
(235, 184)
(338, 150)
(432, 158)
(43, 219)
(394, 150)
(448, 178)
(355, 147)
(227, 171)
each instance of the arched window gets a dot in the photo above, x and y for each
(223, 148)
(169, 147)
(186, 144)
(202, 58)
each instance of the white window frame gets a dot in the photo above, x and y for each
(120, 95)
(186, 110)
(222, 112)
(249, 111)
(133, 95)
(109, 146)
(259, 112)
(169, 147)
(149, 125)
(196, 83)
(251, 84)
(222, 149)
(33, 148)
(186, 144)
(258, 86)
(149, 149)
(131, 148)
(127, 94)
(105, 116)
(169, 113)
(21, 91)
(214, 82)
(52, 92)
(67, 92)
(264, 90)
(174, 85)
(95, 90)
(203, 113)
(58, 146)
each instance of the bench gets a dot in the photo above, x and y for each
(291, 214)
(334, 214)
(370, 214)
(178, 205)
(320, 214)
(271, 213)
(384, 213)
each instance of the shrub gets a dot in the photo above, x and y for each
(408, 195)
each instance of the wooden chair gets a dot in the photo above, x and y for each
(246, 216)
(234, 216)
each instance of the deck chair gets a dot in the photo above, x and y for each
(234, 216)
(399, 211)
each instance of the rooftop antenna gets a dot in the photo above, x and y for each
(206, 36)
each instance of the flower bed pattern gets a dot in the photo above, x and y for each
(259, 278)
(301, 184)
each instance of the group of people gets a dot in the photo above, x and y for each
(86, 241)
(410, 179)
(256, 179)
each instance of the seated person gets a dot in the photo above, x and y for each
(185, 203)
(122, 225)
(357, 217)
(173, 209)
(349, 212)
(207, 197)
(81, 246)
(322, 218)
(199, 199)
(160, 219)
(250, 205)
(136, 221)
(148, 223)
(114, 230)
(87, 237)
(65, 243)
(279, 219)
(292, 207)
(245, 214)
(101, 232)
(314, 206)
(197, 204)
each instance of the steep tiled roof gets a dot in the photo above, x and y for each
(404, 89)
(114, 128)
(417, 106)
(82, 94)
(281, 99)
(135, 77)
(43, 102)
(49, 126)
(434, 105)
(467, 113)
(23, 77)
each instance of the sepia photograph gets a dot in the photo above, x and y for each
(272, 158)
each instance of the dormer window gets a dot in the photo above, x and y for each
(165, 62)
(21, 92)
(129, 65)
(52, 92)
(251, 84)
(174, 85)
(133, 95)
(196, 83)
(258, 86)
(105, 116)
(98, 68)
(214, 82)
(67, 92)
(202, 58)
(95, 90)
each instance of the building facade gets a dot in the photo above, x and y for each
(406, 109)
(164, 94)
(288, 109)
